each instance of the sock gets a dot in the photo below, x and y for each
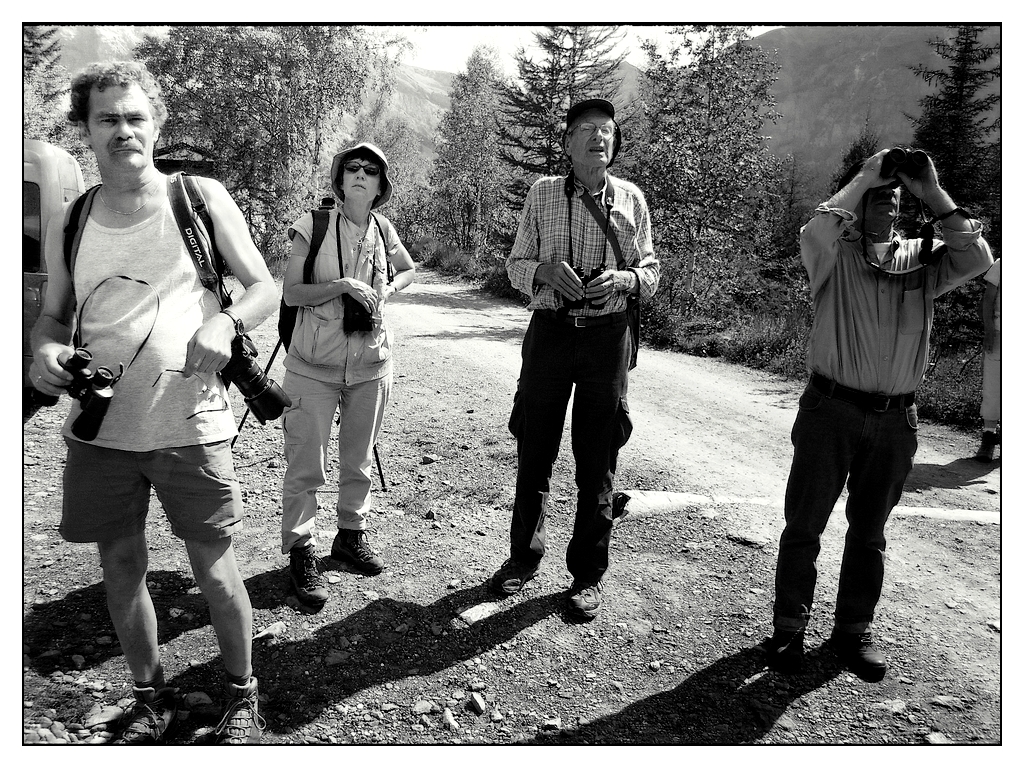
(156, 683)
(239, 680)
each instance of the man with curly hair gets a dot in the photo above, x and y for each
(133, 295)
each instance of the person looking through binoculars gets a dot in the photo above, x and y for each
(339, 357)
(873, 292)
(164, 422)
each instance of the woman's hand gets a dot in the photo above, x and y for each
(361, 292)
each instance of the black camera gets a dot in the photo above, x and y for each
(912, 162)
(93, 391)
(585, 278)
(264, 397)
(357, 318)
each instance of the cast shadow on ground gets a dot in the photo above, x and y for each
(397, 639)
(735, 700)
(961, 473)
(73, 625)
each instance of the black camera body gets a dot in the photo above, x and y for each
(585, 278)
(356, 318)
(264, 397)
(93, 391)
(912, 162)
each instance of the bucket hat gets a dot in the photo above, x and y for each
(362, 148)
(602, 105)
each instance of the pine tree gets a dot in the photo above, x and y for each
(577, 62)
(40, 46)
(957, 129)
(956, 126)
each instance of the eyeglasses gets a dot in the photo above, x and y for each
(587, 130)
(368, 168)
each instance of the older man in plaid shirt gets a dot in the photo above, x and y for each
(583, 252)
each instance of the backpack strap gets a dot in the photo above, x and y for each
(320, 218)
(390, 267)
(74, 223)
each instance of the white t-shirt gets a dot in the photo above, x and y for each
(138, 292)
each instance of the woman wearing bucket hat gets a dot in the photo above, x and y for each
(339, 357)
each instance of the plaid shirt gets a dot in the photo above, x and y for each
(543, 238)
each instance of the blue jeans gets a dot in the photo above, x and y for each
(837, 442)
(555, 358)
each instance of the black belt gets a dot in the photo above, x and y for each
(867, 400)
(581, 321)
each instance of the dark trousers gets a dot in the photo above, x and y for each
(837, 442)
(556, 357)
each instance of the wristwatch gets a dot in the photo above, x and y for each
(239, 325)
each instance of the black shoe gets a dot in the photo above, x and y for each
(784, 651)
(305, 577)
(585, 598)
(242, 723)
(511, 577)
(987, 451)
(353, 547)
(859, 653)
(152, 715)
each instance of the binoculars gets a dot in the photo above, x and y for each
(264, 397)
(912, 162)
(585, 278)
(93, 391)
(356, 318)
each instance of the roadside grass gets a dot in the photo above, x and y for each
(950, 393)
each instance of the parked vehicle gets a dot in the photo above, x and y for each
(51, 178)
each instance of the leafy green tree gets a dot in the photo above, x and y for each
(260, 102)
(467, 178)
(706, 169)
(576, 62)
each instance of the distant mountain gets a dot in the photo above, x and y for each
(831, 80)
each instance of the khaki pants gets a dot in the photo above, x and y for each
(307, 432)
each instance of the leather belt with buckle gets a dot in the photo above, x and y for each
(582, 321)
(868, 400)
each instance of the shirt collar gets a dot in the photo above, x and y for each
(605, 194)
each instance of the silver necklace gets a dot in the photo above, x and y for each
(112, 209)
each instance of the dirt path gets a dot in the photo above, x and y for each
(396, 658)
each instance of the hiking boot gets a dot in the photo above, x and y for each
(512, 576)
(353, 547)
(987, 451)
(784, 651)
(241, 723)
(151, 716)
(305, 577)
(585, 598)
(860, 655)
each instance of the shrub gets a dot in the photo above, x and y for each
(951, 390)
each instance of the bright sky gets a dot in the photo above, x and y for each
(447, 47)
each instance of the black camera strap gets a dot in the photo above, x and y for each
(199, 241)
(152, 325)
